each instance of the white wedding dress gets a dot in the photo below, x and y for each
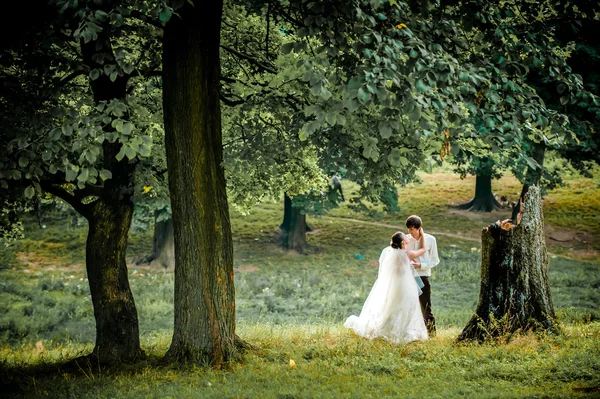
(392, 310)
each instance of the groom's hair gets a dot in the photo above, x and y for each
(414, 221)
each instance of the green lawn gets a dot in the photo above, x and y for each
(292, 307)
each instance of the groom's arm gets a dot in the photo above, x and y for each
(432, 255)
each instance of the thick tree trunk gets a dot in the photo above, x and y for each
(204, 329)
(163, 244)
(295, 237)
(532, 177)
(514, 293)
(109, 218)
(117, 331)
(288, 215)
(484, 200)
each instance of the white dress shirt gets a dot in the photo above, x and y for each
(430, 258)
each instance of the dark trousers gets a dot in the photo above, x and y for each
(425, 299)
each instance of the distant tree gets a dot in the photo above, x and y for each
(485, 170)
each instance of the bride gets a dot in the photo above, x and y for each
(392, 309)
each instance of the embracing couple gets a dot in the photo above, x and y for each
(398, 307)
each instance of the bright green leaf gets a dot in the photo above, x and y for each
(385, 129)
(29, 192)
(121, 153)
(70, 175)
(105, 174)
(165, 14)
(421, 86)
(363, 95)
(127, 128)
(83, 176)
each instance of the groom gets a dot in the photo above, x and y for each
(423, 265)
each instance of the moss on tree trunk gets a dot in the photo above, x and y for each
(117, 331)
(532, 177)
(163, 244)
(295, 237)
(109, 218)
(204, 313)
(514, 293)
(294, 227)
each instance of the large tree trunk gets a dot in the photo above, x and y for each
(117, 331)
(532, 177)
(514, 293)
(288, 214)
(109, 218)
(285, 226)
(163, 244)
(295, 237)
(484, 200)
(204, 329)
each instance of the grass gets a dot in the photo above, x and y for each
(329, 363)
(292, 307)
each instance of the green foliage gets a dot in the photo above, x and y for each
(59, 133)
(460, 72)
(272, 141)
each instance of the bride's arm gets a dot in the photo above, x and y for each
(415, 254)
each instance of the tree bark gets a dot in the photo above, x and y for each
(484, 200)
(117, 331)
(295, 237)
(288, 214)
(532, 177)
(163, 244)
(514, 293)
(204, 314)
(109, 218)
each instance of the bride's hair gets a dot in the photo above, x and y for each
(397, 239)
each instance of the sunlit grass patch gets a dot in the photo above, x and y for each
(323, 360)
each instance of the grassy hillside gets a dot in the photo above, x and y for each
(292, 306)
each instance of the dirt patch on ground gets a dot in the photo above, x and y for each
(30, 259)
(485, 217)
(77, 266)
(33, 261)
(587, 254)
(559, 236)
(246, 268)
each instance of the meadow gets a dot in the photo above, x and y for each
(292, 307)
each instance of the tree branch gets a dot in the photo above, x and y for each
(139, 16)
(230, 103)
(60, 192)
(70, 77)
(89, 191)
(252, 60)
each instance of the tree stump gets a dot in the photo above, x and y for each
(514, 293)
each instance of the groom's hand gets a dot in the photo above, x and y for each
(416, 265)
